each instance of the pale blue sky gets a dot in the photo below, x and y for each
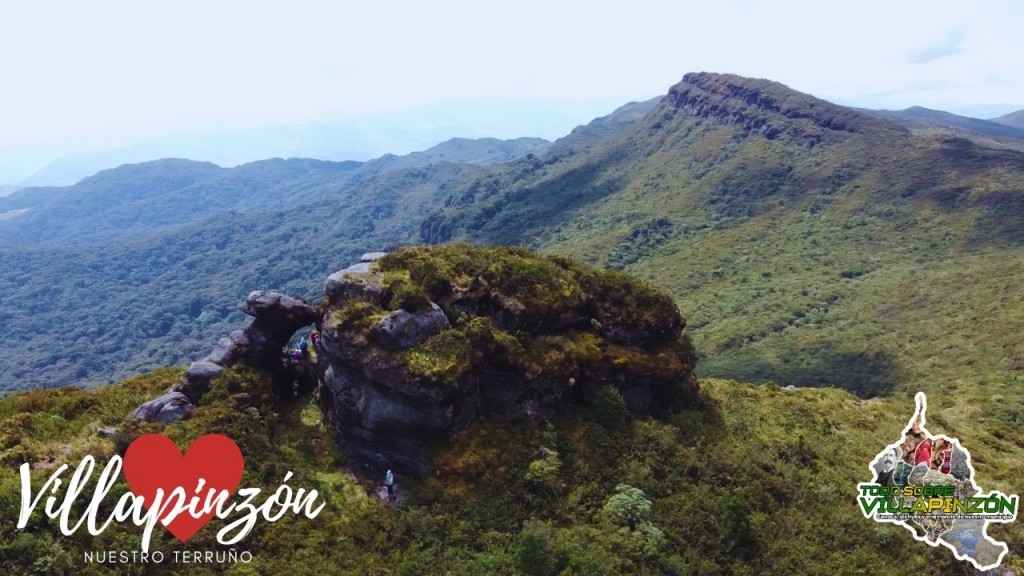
(83, 75)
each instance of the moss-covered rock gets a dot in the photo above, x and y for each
(524, 334)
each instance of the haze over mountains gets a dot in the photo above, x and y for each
(360, 139)
(791, 231)
(994, 132)
(368, 137)
(150, 197)
(178, 242)
(1012, 119)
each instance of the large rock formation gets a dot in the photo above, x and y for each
(760, 105)
(276, 317)
(417, 345)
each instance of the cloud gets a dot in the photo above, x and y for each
(950, 45)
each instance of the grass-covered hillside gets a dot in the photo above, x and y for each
(746, 481)
(141, 266)
(806, 243)
(97, 314)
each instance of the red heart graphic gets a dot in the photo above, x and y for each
(153, 462)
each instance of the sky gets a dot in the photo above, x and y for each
(79, 76)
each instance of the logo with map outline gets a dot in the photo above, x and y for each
(926, 484)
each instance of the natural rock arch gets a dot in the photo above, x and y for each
(276, 319)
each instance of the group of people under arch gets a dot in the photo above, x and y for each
(303, 350)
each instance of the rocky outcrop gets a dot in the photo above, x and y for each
(500, 333)
(165, 409)
(767, 108)
(276, 317)
(402, 329)
(372, 256)
(417, 345)
(352, 282)
(197, 379)
(230, 349)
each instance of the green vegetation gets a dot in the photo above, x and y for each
(141, 266)
(540, 292)
(750, 480)
(806, 244)
(871, 259)
(95, 315)
(538, 316)
(863, 257)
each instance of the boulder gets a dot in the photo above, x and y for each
(278, 309)
(197, 380)
(276, 317)
(372, 256)
(165, 409)
(229, 350)
(402, 329)
(353, 282)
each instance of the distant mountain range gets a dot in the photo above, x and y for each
(178, 241)
(142, 199)
(806, 244)
(987, 131)
(793, 233)
(360, 139)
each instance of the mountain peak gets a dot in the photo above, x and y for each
(756, 104)
(1015, 119)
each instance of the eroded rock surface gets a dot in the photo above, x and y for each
(418, 344)
(276, 318)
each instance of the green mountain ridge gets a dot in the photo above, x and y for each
(805, 243)
(138, 200)
(362, 138)
(990, 133)
(761, 209)
(145, 199)
(764, 212)
(182, 284)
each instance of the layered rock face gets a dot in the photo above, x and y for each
(417, 345)
(768, 108)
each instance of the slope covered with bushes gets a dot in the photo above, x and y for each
(748, 481)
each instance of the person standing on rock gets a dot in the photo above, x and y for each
(303, 346)
(389, 481)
